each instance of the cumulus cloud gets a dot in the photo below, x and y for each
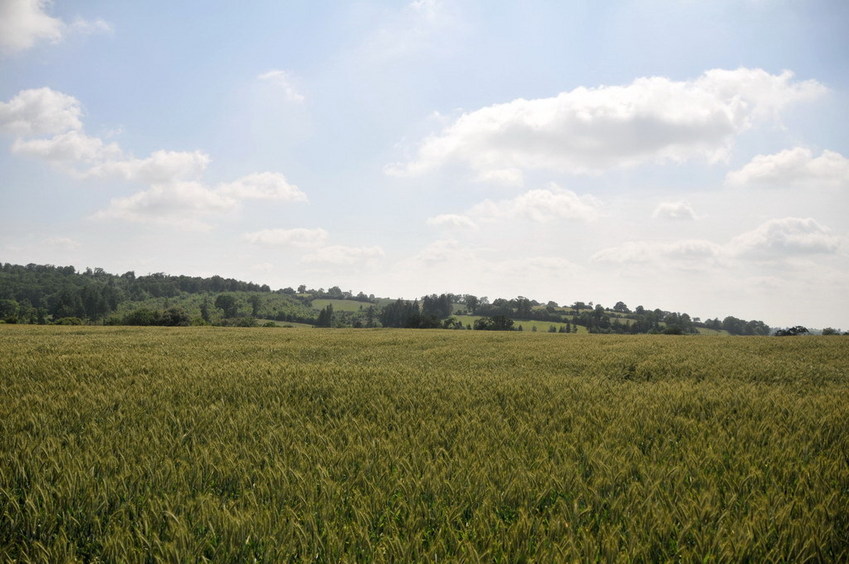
(587, 130)
(285, 83)
(181, 204)
(789, 236)
(452, 220)
(687, 253)
(775, 239)
(159, 167)
(343, 255)
(674, 211)
(68, 148)
(505, 176)
(795, 167)
(538, 206)
(40, 111)
(23, 23)
(264, 186)
(298, 237)
(176, 194)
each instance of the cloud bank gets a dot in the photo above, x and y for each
(589, 130)
(793, 168)
(48, 125)
(537, 206)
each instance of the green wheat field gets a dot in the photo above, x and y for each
(292, 445)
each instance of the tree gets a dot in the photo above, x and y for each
(494, 323)
(371, 314)
(471, 302)
(204, 309)
(8, 310)
(620, 307)
(176, 317)
(227, 304)
(792, 331)
(436, 306)
(255, 302)
(325, 317)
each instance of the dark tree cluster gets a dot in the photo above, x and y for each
(792, 331)
(406, 314)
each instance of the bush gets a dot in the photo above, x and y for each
(68, 321)
(494, 323)
(144, 317)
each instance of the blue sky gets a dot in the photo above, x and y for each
(685, 155)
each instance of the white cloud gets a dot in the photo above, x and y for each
(298, 237)
(538, 206)
(674, 211)
(343, 255)
(452, 220)
(175, 195)
(160, 167)
(44, 111)
(40, 111)
(505, 176)
(789, 236)
(264, 186)
(686, 253)
(23, 23)
(773, 240)
(794, 167)
(653, 119)
(180, 204)
(69, 147)
(285, 83)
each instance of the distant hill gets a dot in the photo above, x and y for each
(41, 294)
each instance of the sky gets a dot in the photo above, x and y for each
(682, 155)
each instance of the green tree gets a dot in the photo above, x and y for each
(325, 317)
(227, 304)
(494, 323)
(255, 302)
(204, 310)
(8, 310)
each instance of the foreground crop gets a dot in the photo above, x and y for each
(287, 445)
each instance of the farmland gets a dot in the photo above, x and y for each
(234, 444)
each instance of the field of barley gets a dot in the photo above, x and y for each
(288, 445)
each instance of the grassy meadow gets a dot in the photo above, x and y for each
(275, 445)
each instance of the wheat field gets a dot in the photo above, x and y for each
(287, 445)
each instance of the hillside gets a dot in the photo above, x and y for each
(44, 294)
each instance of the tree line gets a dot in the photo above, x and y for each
(61, 294)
